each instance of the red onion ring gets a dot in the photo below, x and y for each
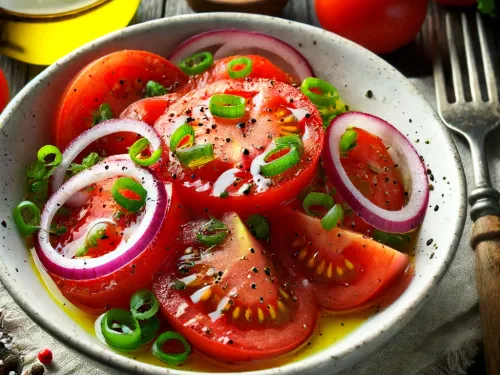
(89, 136)
(139, 240)
(232, 40)
(403, 153)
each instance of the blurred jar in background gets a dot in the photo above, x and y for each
(41, 31)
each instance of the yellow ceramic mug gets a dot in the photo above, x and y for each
(41, 31)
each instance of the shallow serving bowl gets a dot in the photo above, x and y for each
(26, 126)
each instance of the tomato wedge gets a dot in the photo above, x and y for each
(233, 181)
(149, 110)
(115, 289)
(231, 301)
(118, 79)
(346, 270)
(261, 68)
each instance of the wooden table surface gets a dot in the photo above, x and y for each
(410, 60)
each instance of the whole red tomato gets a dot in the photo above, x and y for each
(4, 91)
(456, 2)
(380, 25)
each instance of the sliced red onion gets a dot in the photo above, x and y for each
(402, 152)
(93, 134)
(232, 41)
(127, 250)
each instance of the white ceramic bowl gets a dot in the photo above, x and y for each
(27, 121)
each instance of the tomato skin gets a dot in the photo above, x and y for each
(371, 269)
(116, 289)
(255, 136)
(149, 110)
(456, 2)
(227, 338)
(261, 68)
(380, 25)
(118, 79)
(4, 91)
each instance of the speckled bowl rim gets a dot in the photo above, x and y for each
(316, 363)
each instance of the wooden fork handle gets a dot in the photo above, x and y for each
(485, 240)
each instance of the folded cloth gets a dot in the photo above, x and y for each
(442, 339)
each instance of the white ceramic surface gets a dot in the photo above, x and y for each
(27, 121)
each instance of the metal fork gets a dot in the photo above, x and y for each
(475, 119)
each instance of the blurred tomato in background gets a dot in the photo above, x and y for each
(380, 25)
(4, 91)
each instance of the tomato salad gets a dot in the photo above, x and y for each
(219, 202)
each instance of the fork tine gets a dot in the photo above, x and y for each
(455, 62)
(432, 37)
(489, 71)
(471, 60)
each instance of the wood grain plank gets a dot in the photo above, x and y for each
(175, 7)
(149, 10)
(16, 73)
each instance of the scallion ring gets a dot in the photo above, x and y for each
(317, 199)
(259, 226)
(49, 150)
(332, 217)
(196, 156)
(397, 241)
(182, 137)
(154, 89)
(348, 140)
(171, 359)
(26, 215)
(136, 150)
(281, 164)
(197, 63)
(240, 73)
(326, 98)
(144, 304)
(149, 329)
(121, 330)
(227, 106)
(212, 232)
(126, 183)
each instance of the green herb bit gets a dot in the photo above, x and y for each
(178, 285)
(87, 162)
(154, 89)
(103, 113)
(397, 241)
(348, 140)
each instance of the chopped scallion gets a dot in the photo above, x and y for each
(126, 183)
(171, 359)
(197, 63)
(243, 62)
(317, 199)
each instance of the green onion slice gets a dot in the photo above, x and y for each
(197, 63)
(149, 329)
(126, 183)
(332, 217)
(196, 156)
(283, 163)
(212, 232)
(182, 137)
(26, 215)
(240, 73)
(121, 330)
(397, 241)
(317, 199)
(227, 106)
(348, 140)
(103, 113)
(49, 150)
(36, 170)
(154, 89)
(259, 226)
(144, 305)
(326, 98)
(171, 359)
(136, 150)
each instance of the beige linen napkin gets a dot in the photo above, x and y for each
(442, 339)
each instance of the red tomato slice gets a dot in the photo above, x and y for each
(115, 289)
(236, 305)
(4, 91)
(118, 79)
(149, 110)
(373, 172)
(261, 68)
(346, 270)
(273, 109)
